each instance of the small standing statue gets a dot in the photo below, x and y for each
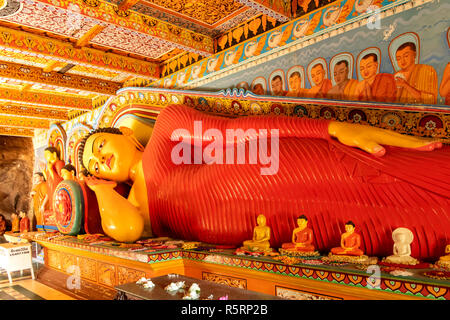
(403, 238)
(302, 238)
(261, 237)
(24, 223)
(2, 225)
(68, 172)
(444, 261)
(349, 250)
(15, 223)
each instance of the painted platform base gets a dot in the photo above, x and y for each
(102, 265)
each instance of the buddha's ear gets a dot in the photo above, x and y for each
(126, 131)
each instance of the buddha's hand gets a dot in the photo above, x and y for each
(96, 184)
(370, 138)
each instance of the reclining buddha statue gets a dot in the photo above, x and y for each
(395, 180)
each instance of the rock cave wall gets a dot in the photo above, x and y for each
(16, 170)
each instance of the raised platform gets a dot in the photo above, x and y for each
(104, 264)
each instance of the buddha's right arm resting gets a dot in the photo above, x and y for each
(218, 203)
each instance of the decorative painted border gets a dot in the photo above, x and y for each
(313, 272)
(425, 121)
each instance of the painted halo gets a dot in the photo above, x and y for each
(68, 205)
(312, 64)
(298, 69)
(397, 42)
(242, 85)
(259, 80)
(339, 57)
(275, 73)
(362, 54)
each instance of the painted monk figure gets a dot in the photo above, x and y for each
(350, 242)
(375, 86)
(166, 197)
(321, 84)
(277, 86)
(295, 86)
(345, 88)
(52, 175)
(416, 83)
(302, 237)
(261, 236)
(38, 194)
(258, 89)
(444, 89)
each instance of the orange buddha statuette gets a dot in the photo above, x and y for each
(302, 238)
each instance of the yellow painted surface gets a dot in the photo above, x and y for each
(40, 289)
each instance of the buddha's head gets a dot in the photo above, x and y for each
(22, 214)
(302, 221)
(406, 55)
(258, 89)
(277, 86)
(349, 227)
(51, 155)
(402, 235)
(13, 216)
(318, 74)
(38, 178)
(261, 220)
(106, 153)
(341, 71)
(368, 66)
(295, 82)
(68, 172)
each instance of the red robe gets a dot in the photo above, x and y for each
(304, 236)
(24, 225)
(328, 181)
(383, 89)
(351, 241)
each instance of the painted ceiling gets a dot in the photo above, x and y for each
(59, 58)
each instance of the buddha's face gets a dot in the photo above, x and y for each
(302, 223)
(261, 220)
(400, 237)
(405, 58)
(51, 157)
(258, 89)
(67, 175)
(37, 178)
(317, 74)
(277, 86)
(349, 228)
(368, 67)
(340, 73)
(109, 156)
(295, 83)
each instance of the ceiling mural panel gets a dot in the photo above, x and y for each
(33, 112)
(83, 15)
(208, 12)
(37, 49)
(20, 132)
(53, 79)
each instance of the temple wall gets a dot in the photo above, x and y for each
(16, 169)
(427, 26)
